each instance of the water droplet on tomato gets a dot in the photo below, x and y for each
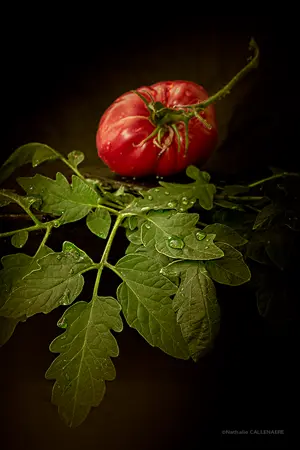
(150, 197)
(188, 93)
(175, 242)
(167, 193)
(200, 235)
(171, 204)
(184, 201)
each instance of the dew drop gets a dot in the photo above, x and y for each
(206, 247)
(31, 188)
(167, 193)
(184, 201)
(62, 323)
(150, 197)
(181, 209)
(59, 257)
(200, 235)
(156, 190)
(175, 242)
(134, 178)
(145, 208)
(56, 223)
(171, 204)
(148, 226)
(157, 177)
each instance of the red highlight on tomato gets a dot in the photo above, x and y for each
(163, 128)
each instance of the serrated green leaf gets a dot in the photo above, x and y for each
(231, 269)
(75, 158)
(176, 236)
(43, 153)
(15, 268)
(179, 197)
(24, 155)
(24, 202)
(146, 303)
(196, 305)
(265, 215)
(99, 222)
(70, 201)
(58, 281)
(228, 205)
(7, 327)
(225, 234)
(19, 239)
(84, 363)
(196, 174)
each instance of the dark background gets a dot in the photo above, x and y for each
(55, 86)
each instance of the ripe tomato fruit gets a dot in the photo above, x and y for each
(157, 130)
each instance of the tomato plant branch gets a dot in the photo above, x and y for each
(18, 200)
(227, 89)
(273, 177)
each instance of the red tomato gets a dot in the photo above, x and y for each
(124, 141)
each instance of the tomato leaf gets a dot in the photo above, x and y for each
(57, 281)
(196, 305)
(228, 205)
(33, 152)
(15, 268)
(7, 327)
(84, 362)
(146, 303)
(231, 269)
(75, 158)
(180, 197)
(70, 201)
(265, 216)
(225, 234)
(19, 239)
(175, 236)
(99, 222)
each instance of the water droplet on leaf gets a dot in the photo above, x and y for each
(200, 235)
(206, 247)
(148, 226)
(175, 242)
(150, 197)
(167, 193)
(171, 204)
(71, 271)
(156, 190)
(62, 323)
(56, 223)
(181, 209)
(59, 257)
(184, 201)
(145, 208)
(31, 188)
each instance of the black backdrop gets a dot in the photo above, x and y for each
(54, 88)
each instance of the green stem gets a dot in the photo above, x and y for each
(105, 254)
(226, 89)
(111, 267)
(47, 234)
(273, 177)
(11, 233)
(15, 198)
(113, 211)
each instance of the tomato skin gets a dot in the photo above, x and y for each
(126, 123)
